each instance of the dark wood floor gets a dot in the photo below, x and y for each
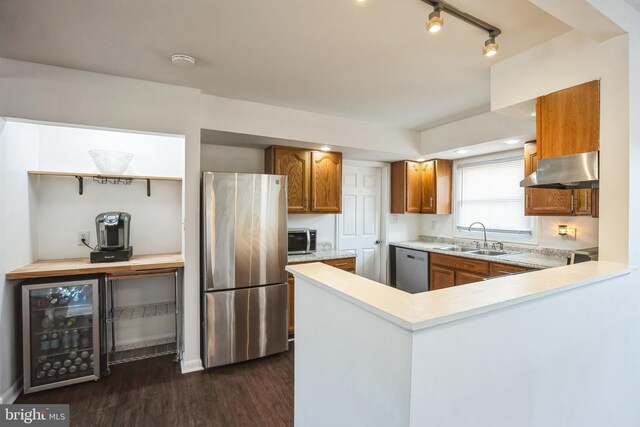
(153, 392)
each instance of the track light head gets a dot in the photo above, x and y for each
(435, 22)
(490, 47)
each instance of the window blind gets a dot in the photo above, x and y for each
(490, 193)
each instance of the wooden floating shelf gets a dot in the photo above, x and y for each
(97, 175)
(105, 179)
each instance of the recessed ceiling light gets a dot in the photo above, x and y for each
(182, 60)
(462, 151)
(512, 141)
(325, 148)
(420, 160)
(533, 114)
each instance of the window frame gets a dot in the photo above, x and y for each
(478, 235)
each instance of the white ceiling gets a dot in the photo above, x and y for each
(634, 3)
(371, 61)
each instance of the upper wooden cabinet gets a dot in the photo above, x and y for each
(421, 187)
(295, 164)
(568, 121)
(314, 183)
(326, 182)
(436, 187)
(550, 202)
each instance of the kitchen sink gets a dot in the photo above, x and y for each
(488, 252)
(458, 249)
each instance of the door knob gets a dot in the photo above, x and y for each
(378, 242)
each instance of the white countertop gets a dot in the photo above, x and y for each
(418, 311)
(320, 256)
(522, 259)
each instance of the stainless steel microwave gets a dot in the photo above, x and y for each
(302, 241)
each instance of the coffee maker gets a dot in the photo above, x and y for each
(112, 229)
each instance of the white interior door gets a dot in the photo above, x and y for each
(359, 223)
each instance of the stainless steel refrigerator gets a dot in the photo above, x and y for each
(244, 254)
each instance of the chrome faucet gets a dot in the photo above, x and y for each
(485, 232)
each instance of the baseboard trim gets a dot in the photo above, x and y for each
(191, 366)
(9, 396)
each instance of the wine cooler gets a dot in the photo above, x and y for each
(61, 332)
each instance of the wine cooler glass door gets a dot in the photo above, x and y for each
(61, 334)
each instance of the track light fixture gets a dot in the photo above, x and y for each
(490, 47)
(435, 24)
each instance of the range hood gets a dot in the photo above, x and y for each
(566, 172)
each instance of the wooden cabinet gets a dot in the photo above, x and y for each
(295, 164)
(568, 121)
(441, 277)
(314, 183)
(497, 269)
(421, 187)
(436, 187)
(583, 201)
(463, 278)
(346, 264)
(551, 202)
(326, 182)
(448, 270)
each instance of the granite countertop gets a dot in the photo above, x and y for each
(516, 256)
(321, 256)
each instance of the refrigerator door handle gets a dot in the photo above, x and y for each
(208, 216)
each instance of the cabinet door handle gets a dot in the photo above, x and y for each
(587, 201)
(572, 204)
(431, 202)
(341, 264)
(526, 201)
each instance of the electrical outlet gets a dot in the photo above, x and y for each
(84, 235)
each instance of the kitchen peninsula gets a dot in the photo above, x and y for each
(471, 341)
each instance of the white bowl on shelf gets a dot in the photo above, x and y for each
(111, 162)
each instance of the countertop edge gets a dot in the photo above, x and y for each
(319, 256)
(412, 322)
(86, 267)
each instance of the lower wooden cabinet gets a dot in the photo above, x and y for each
(346, 264)
(446, 271)
(441, 277)
(463, 278)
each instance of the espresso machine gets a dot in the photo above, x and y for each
(112, 229)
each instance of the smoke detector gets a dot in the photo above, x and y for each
(182, 60)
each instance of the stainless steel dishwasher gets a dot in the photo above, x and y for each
(412, 270)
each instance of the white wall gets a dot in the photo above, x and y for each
(156, 221)
(474, 130)
(221, 158)
(65, 148)
(566, 61)
(551, 362)
(18, 234)
(362, 378)
(404, 227)
(543, 361)
(54, 94)
(232, 115)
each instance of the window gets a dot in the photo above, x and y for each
(489, 192)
